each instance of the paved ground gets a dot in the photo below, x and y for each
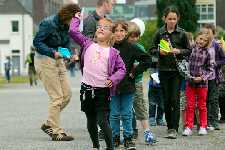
(23, 109)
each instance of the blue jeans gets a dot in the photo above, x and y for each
(134, 120)
(7, 75)
(121, 108)
(72, 71)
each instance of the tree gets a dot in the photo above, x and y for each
(220, 32)
(146, 38)
(187, 9)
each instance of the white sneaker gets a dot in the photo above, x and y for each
(187, 132)
(202, 131)
(210, 128)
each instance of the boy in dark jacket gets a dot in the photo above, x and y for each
(122, 102)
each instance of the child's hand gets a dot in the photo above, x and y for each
(197, 79)
(74, 58)
(175, 51)
(57, 55)
(108, 83)
(163, 53)
(131, 75)
(78, 15)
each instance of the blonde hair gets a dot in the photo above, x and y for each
(111, 41)
(205, 35)
(189, 36)
(107, 20)
(133, 29)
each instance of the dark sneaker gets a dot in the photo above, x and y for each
(210, 127)
(129, 144)
(152, 121)
(172, 134)
(62, 137)
(47, 129)
(101, 135)
(116, 141)
(135, 134)
(160, 122)
(216, 126)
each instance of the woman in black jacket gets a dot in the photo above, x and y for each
(170, 78)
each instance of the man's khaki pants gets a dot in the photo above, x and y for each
(55, 80)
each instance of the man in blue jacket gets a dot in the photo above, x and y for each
(53, 34)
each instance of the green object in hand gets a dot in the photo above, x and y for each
(164, 46)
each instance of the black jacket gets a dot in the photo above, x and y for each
(178, 40)
(130, 53)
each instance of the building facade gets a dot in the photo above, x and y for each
(16, 36)
(145, 9)
(220, 19)
(44, 8)
(125, 9)
(207, 11)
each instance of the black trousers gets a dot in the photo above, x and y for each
(170, 82)
(222, 106)
(212, 102)
(98, 114)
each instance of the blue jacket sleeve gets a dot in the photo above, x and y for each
(45, 29)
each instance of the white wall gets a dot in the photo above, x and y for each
(21, 40)
(70, 1)
(3, 52)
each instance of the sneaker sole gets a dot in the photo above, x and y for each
(171, 137)
(131, 148)
(202, 134)
(187, 134)
(217, 128)
(62, 140)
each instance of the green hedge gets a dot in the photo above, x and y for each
(14, 80)
(150, 29)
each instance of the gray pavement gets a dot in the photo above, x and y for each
(24, 109)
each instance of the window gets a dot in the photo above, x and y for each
(206, 12)
(15, 51)
(211, 16)
(15, 26)
(204, 8)
(128, 10)
(210, 9)
(142, 11)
